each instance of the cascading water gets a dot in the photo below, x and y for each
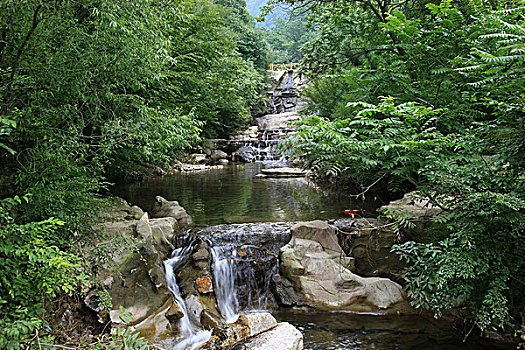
(264, 150)
(224, 276)
(242, 272)
(191, 338)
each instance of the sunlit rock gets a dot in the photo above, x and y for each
(283, 336)
(314, 263)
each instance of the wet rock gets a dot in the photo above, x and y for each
(156, 325)
(210, 320)
(252, 249)
(195, 307)
(246, 154)
(283, 336)
(223, 162)
(284, 291)
(164, 208)
(174, 313)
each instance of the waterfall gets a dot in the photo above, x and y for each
(264, 150)
(191, 338)
(242, 272)
(224, 258)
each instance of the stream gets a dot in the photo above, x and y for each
(234, 194)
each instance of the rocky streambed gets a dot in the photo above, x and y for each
(216, 287)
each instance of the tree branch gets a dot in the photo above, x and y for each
(14, 68)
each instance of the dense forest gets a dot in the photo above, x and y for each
(429, 95)
(422, 95)
(98, 91)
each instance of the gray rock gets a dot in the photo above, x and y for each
(164, 208)
(318, 231)
(322, 281)
(369, 243)
(284, 172)
(210, 320)
(246, 326)
(246, 154)
(195, 308)
(136, 212)
(284, 336)
(277, 121)
(223, 161)
(197, 158)
(412, 203)
(217, 154)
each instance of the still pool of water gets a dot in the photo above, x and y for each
(234, 194)
(343, 331)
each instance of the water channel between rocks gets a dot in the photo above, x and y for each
(235, 195)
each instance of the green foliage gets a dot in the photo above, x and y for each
(287, 36)
(102, 90)
(123, 339)
(33, 268)
(6, 128)
(461, 145)
(387, 139)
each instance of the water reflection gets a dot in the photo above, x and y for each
(235, 195)
(342, 331)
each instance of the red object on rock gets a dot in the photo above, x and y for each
(351, 212)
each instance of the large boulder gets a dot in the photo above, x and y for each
(257, 329)
(218, 154)
(283, 336)
(140, 287)
(318, 231)
(164, 208)
(321, 274)
(246, 154)
(369, 242)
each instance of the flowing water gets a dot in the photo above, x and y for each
(223, 266)
(235, 194)
(190, 337)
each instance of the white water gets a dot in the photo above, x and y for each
(224, 278)
(191, 338)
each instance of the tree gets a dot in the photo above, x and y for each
(453, 130)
